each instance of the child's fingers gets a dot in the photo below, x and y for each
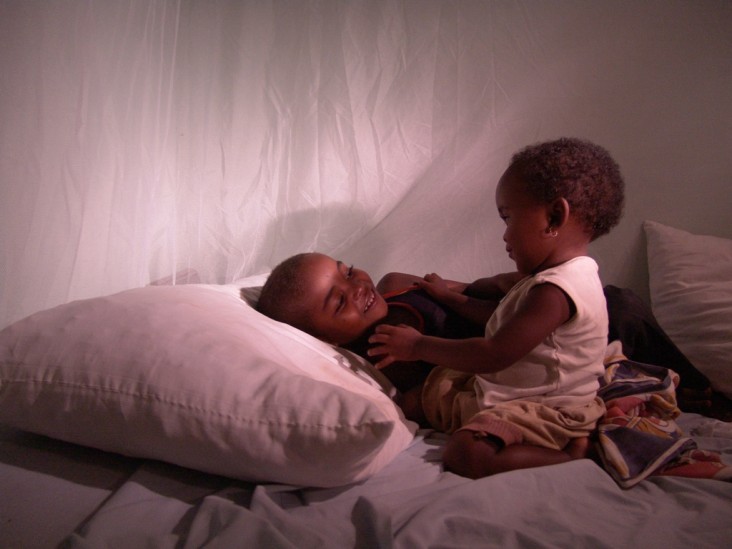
(380, 337)
(376, 351)
(380, 351)
(382, 329)
(386, 330)
(384, 362)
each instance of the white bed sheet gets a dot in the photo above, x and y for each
(91, 499)
(48, 488)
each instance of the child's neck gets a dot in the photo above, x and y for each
(562, 254)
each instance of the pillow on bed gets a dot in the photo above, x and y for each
(690, 280)
(194, 376)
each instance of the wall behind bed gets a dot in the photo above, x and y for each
(142, 138)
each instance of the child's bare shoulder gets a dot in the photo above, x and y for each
(392, 282)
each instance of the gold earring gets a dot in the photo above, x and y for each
(551, 231)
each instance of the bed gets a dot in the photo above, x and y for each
(177, 416)
(198, 143)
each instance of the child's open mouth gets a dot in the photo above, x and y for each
(369, 302)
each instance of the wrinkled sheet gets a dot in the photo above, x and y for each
(413, 503)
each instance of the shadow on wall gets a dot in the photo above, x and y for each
(622, 259)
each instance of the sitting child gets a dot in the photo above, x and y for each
(525, 395)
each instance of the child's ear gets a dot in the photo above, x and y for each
(558, 213)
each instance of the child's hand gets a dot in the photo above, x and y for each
(396, 342)
(434, 285)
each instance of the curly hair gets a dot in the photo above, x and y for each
(279, 297)
(582, 173)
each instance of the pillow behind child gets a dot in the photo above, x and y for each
(194, 376)
(690, 278)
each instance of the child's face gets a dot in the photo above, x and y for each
(342, 301)
(527, 221)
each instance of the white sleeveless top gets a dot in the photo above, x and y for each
(564, 369)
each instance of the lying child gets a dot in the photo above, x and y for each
(340, 304)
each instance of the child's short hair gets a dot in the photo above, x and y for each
(582, 173)
(279, 297)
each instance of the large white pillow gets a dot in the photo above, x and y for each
(192, 375)
(690, 280)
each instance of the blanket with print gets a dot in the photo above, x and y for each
(638, 436)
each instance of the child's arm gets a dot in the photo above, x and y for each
(398, 281)
(475, 302)
(470, 308)
(545, 308)
(493, 287)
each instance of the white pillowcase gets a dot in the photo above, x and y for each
(194, 376)
(690, 280)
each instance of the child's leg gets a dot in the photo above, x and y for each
(410, 402)
(476, 457)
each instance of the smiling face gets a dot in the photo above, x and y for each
(527, 223)
(341, 301)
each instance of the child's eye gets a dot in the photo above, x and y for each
(349, 272)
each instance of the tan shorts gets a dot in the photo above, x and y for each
(450, 404)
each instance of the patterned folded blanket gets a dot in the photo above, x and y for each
(639, 436)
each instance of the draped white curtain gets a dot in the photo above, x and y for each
(144, 139)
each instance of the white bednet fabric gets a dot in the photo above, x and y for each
(145, 139)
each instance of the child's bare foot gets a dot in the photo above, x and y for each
(578, 448)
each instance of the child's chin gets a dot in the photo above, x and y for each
(378, 310)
